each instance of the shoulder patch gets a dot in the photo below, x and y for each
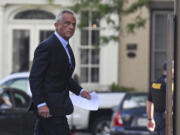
(156, 86)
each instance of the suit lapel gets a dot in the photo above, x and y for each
(60, 46)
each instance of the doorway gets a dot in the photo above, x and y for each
(21, 48)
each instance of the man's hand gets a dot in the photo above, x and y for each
(44, 111)
(151, 125)
(86, 94)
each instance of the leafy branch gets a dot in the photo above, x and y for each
(120, 8)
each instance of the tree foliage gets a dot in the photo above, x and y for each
(50, 1)
(116, 88)
(119, 8)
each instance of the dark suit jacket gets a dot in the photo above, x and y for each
(51, 77)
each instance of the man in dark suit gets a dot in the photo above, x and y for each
(51, 78)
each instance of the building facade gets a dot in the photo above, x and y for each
(149, 45)
(24, 24)
(134, 63)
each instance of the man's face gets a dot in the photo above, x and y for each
(66, 27)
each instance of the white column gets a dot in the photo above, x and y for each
(1, 40)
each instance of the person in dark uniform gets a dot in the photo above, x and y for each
(156, 104)
(51, 78)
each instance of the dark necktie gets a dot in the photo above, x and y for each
(71, 55)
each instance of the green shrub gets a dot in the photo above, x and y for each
(116, 88)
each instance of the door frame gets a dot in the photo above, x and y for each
(34, 29)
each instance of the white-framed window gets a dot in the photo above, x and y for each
(21, 46)
(35, 14)
(159, 51)
(29, 27)
(89, 47)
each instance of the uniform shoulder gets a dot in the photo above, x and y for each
(158, 83)
(162, 78)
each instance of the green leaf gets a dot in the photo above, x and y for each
(106, 10)
(115, 87)
(104, 39)
(110, 21)
(136, 5)
(138, 23)
(107, 39)
(130, 28)
(50, 1)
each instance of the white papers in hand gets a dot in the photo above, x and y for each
(84, 103)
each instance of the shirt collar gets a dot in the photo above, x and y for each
(62, 40)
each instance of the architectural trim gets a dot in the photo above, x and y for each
(17, 9)
(161, 5)
(157, 6)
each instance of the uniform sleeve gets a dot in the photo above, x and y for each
(38, 72)
(150, 94)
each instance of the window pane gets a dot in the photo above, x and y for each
(44, 34)
(161, 31)
(84, 37)
(95, 19)
(159, 42)
(160, 58)
(95, 56)
(95, 75)
(20, 50)
(135, 101)
(90, 35)
(84, 75)
(21, 100)
(85, 18)
(95, 37)
(34, 14)
(18, 83)
(84, 56)
(5, 102)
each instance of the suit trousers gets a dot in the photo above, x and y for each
(52, 126)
